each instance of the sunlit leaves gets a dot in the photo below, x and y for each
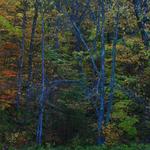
(6, 25)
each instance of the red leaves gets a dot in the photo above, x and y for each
(9, 49)
(9, 73)
(9, 46)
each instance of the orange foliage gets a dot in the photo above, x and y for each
(9, 49)
(9, 73)
(9, 46)
(7, 98)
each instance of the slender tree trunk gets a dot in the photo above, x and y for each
(41, 101)
(112, 81)
(102, 82)
(98, 26)
(30, 60)
(138, 12)
(83, 14)
(20, 63)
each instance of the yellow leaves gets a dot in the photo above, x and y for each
(4, 105)
(17, 138)
(92, 34)
(6, 100)
(112, 134)
(131, 55)
(19, 15)
(60, 37)
(7, 97)
(54, 12)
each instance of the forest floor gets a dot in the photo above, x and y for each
(103, 147)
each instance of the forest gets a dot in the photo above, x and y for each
(74, 74)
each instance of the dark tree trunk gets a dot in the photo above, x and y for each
(30, 60)
(42, 97)
(22, 48)
(112, 82)
(102, 80)
(141, 24)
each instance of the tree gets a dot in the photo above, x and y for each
(31, 48)
(22, 48)
(141, 10)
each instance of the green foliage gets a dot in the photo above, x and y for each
(7, 25)
(128, 126)
(125, 122)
